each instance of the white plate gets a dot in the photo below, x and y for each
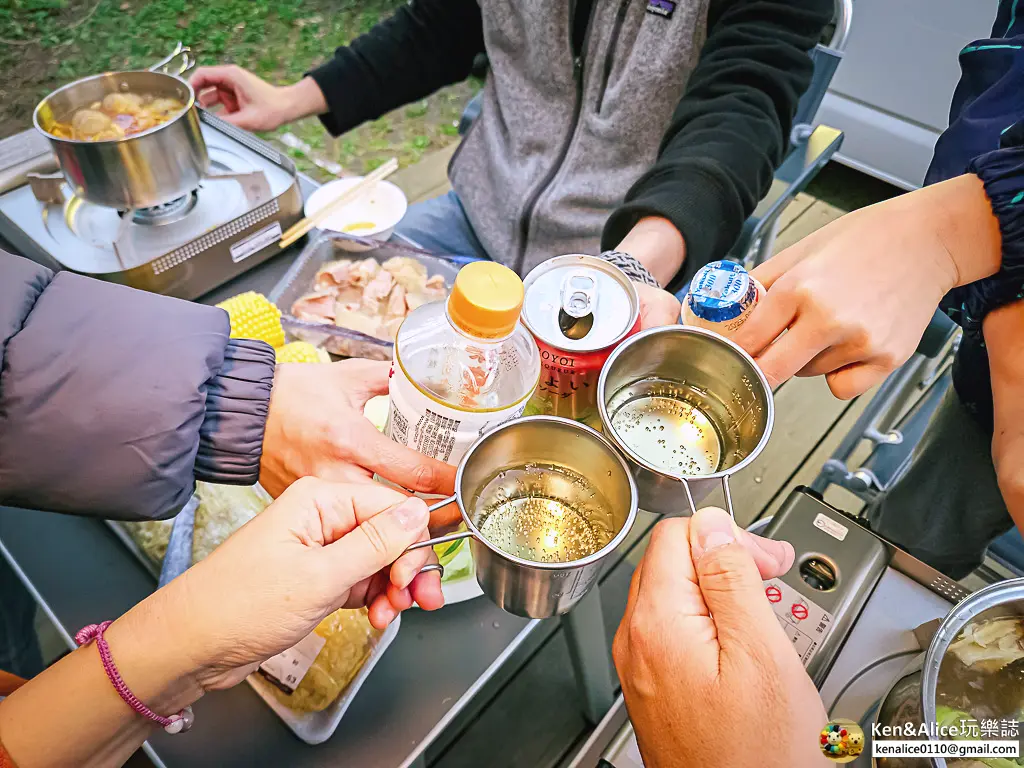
(383, 206)
(460, 590)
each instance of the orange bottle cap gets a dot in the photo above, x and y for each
(486, 300)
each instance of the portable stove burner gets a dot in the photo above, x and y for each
(166, 213)
(184, 247)
(120, 241)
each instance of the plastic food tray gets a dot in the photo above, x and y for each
(317, 727)
(325, 248)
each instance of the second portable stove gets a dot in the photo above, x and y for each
(851, 605)
(184, 248)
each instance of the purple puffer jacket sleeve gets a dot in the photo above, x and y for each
(113, 401)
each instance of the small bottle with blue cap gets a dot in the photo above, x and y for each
(722, 296)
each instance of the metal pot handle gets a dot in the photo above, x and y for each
(725, 490)
(439, 539)
(168, 66)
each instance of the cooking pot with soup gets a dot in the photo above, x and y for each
(128, 140)
(971, 677)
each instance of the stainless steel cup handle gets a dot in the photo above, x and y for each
(439, 540)
(725, 490)
(443, 503)
(728, 497)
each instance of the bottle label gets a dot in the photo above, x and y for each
(434, 429)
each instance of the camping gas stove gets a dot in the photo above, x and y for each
(851, 605)
(183, 248)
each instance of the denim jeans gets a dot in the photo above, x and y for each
(440, 225)
(19, 645)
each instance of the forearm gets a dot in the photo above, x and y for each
(657, 244)
(237, 404)
(302, 99)
(72, 715)
(426, 45)
(731, 128)
(1004, 339)
(112, 400)
(966, 231)
(9, 683)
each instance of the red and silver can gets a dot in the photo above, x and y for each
(578, 308)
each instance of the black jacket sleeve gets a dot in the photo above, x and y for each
(731, 128)
(113, 401)
(426, 45)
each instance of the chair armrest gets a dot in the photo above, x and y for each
(935, 336)
(803, 163)
(807, 157)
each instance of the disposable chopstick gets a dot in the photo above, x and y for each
(309, 222)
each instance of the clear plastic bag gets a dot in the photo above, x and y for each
(223, 509)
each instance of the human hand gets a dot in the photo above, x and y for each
(252, 103)
(853, 300)
(658, 245)
(316, 427)
(699, 646)
(657, 307)
(320, 547)
(855, 297)
(1004, 339)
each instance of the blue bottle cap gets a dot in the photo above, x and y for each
(721, 291)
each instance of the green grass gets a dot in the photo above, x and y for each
(45, 43)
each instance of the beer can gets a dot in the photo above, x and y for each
(578, 308)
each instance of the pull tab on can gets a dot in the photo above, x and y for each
(579, 295)
(578, 299)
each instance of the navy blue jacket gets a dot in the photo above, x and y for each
(986, 137)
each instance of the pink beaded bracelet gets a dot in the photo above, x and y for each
(178, 723)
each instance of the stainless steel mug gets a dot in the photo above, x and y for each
(712, 376)
(141, 171)
(528, 588)
(912, 698)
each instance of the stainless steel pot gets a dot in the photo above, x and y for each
(912, 698)
(710, 374)
(538, 590)
(141, 171)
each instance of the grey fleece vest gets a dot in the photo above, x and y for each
(550, 155)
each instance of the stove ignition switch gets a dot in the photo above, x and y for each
(818, 573)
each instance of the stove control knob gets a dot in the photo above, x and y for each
(818, 573)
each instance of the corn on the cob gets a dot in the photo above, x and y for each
(301, 352)
(254, 317)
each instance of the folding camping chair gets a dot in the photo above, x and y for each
(893, 431)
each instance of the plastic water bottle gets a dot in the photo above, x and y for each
(462, 366)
